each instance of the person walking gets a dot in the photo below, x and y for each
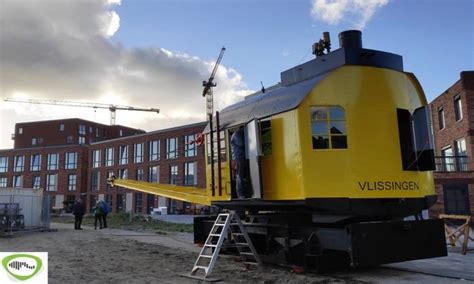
(78, 211)
(97, 210)
(105, 212)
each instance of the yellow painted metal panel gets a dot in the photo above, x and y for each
(372, 162)
(183, 193)
(282, 171)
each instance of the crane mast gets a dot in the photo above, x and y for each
(209, 84)
(111, 107)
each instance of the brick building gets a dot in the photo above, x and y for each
(79, 169)
(66, 131)
(453, 129)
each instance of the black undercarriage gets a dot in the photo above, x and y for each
(321, 239)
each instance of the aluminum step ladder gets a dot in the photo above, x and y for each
(210, 251)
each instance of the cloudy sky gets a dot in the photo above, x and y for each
(155, 53)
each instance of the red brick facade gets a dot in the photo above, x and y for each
(456, 170)
(85, 170)
(66, 131)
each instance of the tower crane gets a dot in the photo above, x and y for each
(207, 92)
(209, 84)
(111, 107)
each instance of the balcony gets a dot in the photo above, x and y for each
(452, 164)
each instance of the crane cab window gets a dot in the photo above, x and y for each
(266, 137)
(328, 127)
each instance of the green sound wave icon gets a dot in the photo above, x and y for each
(10, 269)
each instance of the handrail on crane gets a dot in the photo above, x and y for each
(111, 107)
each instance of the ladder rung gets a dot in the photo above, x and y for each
(251, 263)
(214, 235)
(220, 225)
(242, 244)
(206, 256)
(200, 267)
(211, 246)
(247, 253)
(238, 234)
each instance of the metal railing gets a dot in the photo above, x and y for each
(452, 164)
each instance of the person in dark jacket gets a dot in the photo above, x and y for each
(105, 212)
(98, 212)
(239, 163)
(78, 210)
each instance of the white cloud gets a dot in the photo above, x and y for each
(358, 12)
(61, 50)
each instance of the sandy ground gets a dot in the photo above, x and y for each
(118, 256)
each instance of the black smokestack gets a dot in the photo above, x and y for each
(350, 39)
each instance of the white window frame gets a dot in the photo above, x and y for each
(154, 155)
(35, 164)
(51, 166)
(3, 164)
(123, 155)
(18, 163)
(109, 156)
(138, 152)
(68, 165)
(172, 153)
(96, 158)
(186, 173)
(52, 182)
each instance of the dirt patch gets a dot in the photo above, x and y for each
(98, 256)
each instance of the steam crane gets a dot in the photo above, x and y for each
(111, 107)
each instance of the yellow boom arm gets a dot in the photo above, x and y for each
(183, 193)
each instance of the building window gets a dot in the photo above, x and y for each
(123, 155)
(154, 150)
(52, 182)
(123, 173)
(120, 132)
(20, 130)
(71, 161)
(138, 202)
(3, 164)
(34, 142)
(173, 174)
(36, 183)
(457, 107)
(82, 140)
(172, 148)
(18, 163)
(328, 127)
(456, 199)
(190, 149)
(53, 161)
(96, 158)
(154, 174)
(82, 129)
(71, 182)
(448, 159)
(35, 163)
(138, 153)
(69, 139)
(139, 174)
(461, 155)
(190, 175)
(95, 180)
(109, 157)
(97, 132)
(441, 121)
(3, 182)
(61, 127)
(17, 181)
